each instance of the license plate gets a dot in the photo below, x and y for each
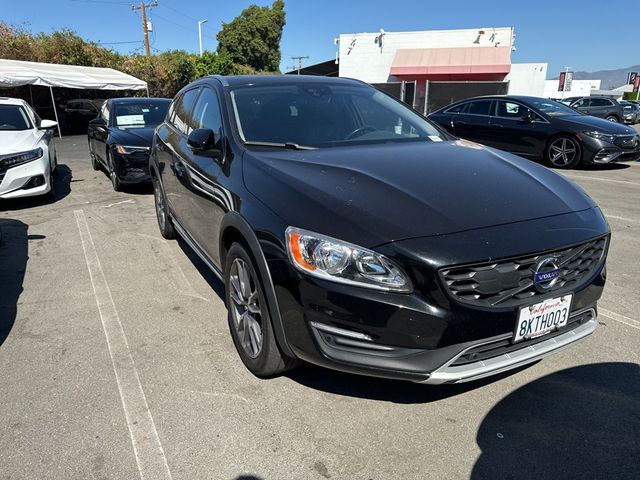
(541, 318)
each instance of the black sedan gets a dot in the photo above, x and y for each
(352, 233)
(539, 129)
(120, 137)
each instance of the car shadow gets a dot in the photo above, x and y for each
(61, 184)
(144, 188)
(582, 422)
(13, 259)
(381, 389)
(604, 167)
(212, 280)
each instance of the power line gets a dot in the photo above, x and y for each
(299, 58)
(145, 26)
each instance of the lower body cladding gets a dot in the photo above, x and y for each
(27, 180)
(426, 336)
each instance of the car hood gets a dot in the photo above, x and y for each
(374, 194)
(133, 136)
(13, 141)
(588, 122)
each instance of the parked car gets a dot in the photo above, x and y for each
(27, 151)
(352, 233)
(602, 107)
(120, 137)
(631, 112)
(539, 129)
(76, 114)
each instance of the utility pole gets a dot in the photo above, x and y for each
(145, 26)
(299, 59)
(200, 23)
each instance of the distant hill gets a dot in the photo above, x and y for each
(609, 78)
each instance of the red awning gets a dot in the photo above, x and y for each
(452, 61)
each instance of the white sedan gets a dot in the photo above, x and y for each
(27, 151)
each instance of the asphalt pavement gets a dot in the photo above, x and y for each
(116, 363)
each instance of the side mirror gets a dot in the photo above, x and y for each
(528, 117)
(98, 122)
(202, 141)
(44, 124)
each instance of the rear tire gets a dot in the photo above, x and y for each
(563, 152)
(162, 211)
(249, 320)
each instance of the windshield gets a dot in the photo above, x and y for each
(14, 117)
(321, 115)
(139, 115)
(552, 108)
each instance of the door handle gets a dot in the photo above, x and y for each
(459, 123)
(179, 169)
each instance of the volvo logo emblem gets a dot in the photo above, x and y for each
(546, 273)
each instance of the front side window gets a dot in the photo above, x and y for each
(14, 117)
(206, 113)
(325, 115)
(139, 114)
(183, 120)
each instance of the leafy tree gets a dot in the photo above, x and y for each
(211, 63)
(253, 38)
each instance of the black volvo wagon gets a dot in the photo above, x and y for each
(352, 233)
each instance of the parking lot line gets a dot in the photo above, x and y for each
(601, 179)
(152, 463)
(620, 318)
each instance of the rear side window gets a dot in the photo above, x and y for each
(479, 107)
(183, 120)
(601, 102)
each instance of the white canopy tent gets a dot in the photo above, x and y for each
(16, 73)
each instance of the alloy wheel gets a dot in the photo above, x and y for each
(246, 310)
(562, 152)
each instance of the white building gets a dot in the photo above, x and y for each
(444, 65)
(579, 88)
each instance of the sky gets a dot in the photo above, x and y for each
(571, 33)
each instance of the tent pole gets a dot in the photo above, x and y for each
(147, 90)
(31, 95)
(55, 111)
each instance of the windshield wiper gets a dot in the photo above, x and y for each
(288, 145)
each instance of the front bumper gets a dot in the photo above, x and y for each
(599, 151)
(427, 336)
(26, 180)
(132, 168)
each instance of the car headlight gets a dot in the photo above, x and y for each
(128, 149)
(15, 159)
(601, 136)
(330, 259)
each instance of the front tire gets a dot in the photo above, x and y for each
(113, 176)
(613, 118)
(249, 320)
(94, 161)
(563, 152)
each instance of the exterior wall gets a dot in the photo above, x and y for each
(364, 58)
(527, 79)
(579, 88)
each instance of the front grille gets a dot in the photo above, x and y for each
(627, 141)
(509, 282)
(506, 345)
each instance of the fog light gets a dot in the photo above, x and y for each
(34, 182)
